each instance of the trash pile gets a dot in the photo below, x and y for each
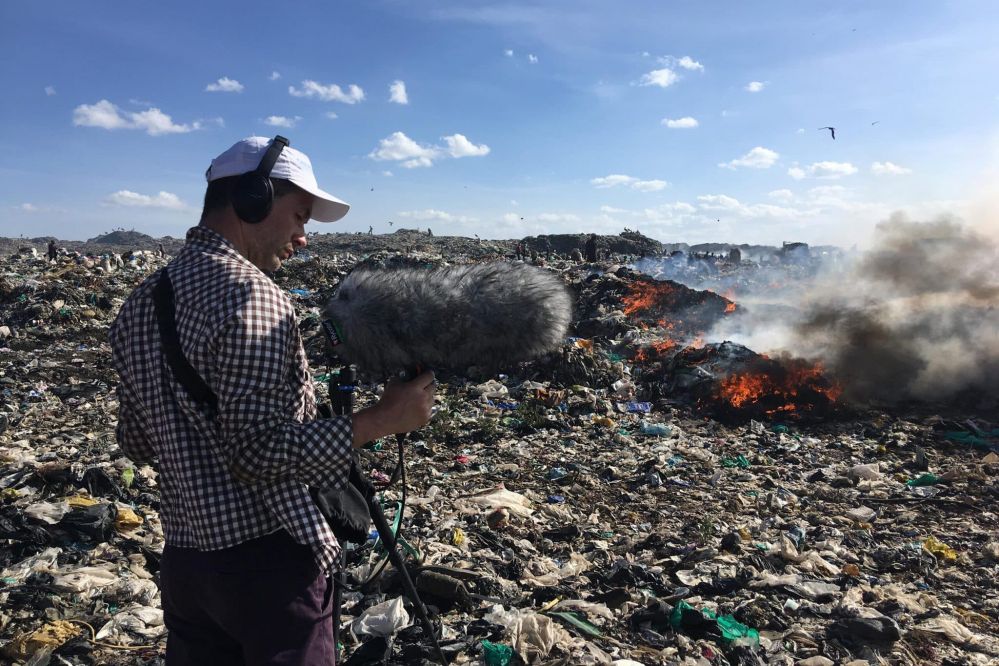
(642, 496)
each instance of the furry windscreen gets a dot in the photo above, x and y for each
(489, 315)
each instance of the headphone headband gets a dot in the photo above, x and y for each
(271, 156)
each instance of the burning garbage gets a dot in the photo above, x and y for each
(649, 493)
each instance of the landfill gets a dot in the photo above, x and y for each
(643, 495)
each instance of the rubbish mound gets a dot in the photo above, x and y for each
(600, 505)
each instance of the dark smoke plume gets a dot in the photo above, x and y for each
(916, 318)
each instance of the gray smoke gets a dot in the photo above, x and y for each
(916, 317)
(488, 315)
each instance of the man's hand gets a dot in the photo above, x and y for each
(403, 407)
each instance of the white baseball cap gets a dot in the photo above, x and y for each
(292, 165)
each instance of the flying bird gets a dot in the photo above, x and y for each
(876, 122)
(832, 130)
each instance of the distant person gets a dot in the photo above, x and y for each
(371, 230)
(247, 554)
(52, 252)
(159, 250)
(430, 232)
(548, 249)
(591, 248)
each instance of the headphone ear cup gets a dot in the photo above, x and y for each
(252, 197)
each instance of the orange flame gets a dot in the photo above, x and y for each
(743, 389)
(645, 295)
(730, 307)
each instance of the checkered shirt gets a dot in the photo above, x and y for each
(243, 472)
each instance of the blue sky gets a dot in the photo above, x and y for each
(689, 120)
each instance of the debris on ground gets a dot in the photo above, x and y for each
(641, 496)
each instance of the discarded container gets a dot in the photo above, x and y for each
(655, 429)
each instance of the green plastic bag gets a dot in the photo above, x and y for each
(496, 654)
(927, 479)
(730, 628)
(738, 461)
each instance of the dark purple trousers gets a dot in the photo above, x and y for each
(260, 602)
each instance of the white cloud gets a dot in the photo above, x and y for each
(28, 208)
(508, 53)
(274, 76)
(331, 115)
(106, 115)
(397, 93)
(161, 200)
(328, 93)
(281, 121)
(387, 174)
(611, 210)
(612, 180)
(889, 169)
(225, 84)
(663, 78)
(680, 123)
(432, 214)
(511, 218)
(781, 194)
(722, 203)
(689, 63)
(155, 122)
(400, 147)
(103, 114)
(800, 130)
(755, 86)
(459, 146)
(757, 158)
(615, 179)
(531, 58)
(649, 185)
(49, 91)
(824, 170)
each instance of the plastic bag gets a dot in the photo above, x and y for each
(383, 619)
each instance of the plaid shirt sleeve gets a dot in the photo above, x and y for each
(256, 361)
(131, 437)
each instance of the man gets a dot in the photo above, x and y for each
(591, 249)
(52, 252)
(243, 576)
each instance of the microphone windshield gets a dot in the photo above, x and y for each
(490, 315)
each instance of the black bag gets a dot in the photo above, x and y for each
(345, 509)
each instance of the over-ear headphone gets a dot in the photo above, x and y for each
(253, 194)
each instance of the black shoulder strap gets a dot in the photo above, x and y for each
(182, 369)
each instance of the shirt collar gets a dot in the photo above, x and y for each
(208, 240)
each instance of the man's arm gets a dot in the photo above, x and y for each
(130, 433)
(256, 358)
